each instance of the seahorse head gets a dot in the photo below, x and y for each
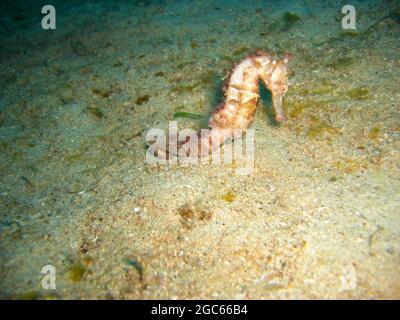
(279, 76)
(274, 73)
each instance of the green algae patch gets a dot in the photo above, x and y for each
(318, 129)
(322, 89)
(97, 112)
(136, 265)
(102, 93)
(349, 34)
(303, 91)
(189, 115)
(348, 166)
(393, 15)
(185, 87)
(374, 133)
(207, 78)
(289, 20)
(76, 157)
(227, 58)
(285, 23)
(30, 295)
(342, 36)
(142, 99)
(76, 272)
(341, 63)
(361, 93)
(296, 109)
(183, 64)
(290, 17)
(230, 196)
(37, 295)
(241, 50)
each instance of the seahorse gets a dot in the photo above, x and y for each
(239, 107)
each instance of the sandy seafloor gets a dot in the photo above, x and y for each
(319, 217)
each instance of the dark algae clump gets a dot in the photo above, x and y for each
(229, 196)
(374, 133)
(135, 264)
(284, 23)
(289, 19)
(95, 111)
(76, 272)
(341, 63)
(240, 51)
(189, 115)
(185, 87)
(142, 99)
(102, 93)
(192, 213)
(360, 93)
